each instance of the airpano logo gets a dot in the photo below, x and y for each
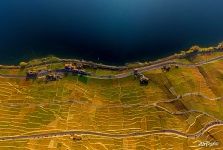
(208, 144)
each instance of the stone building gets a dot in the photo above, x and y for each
(143, 80)
(31, 75)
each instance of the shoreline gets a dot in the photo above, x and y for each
(194, 50)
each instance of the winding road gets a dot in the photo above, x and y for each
(157, 66)
(127, 135)
(140, 69)
(110, 135)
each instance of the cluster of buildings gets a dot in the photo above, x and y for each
(49, 75)
(143, 80)
(78, 69)
(167, 68)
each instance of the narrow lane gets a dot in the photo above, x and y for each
(118, 136)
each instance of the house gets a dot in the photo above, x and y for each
(166, 68)
(176, 66)
(43, 72)
(79, 66)
(143, 80)
(135, 72)
(31, 75)
(76, 137)
(53, 77)
(68, 67)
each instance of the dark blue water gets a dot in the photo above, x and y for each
(115, 31)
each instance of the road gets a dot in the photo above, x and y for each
(140, 69)
(118, 136)
(12, 76)
(157, 66)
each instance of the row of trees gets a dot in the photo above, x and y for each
(197, 49)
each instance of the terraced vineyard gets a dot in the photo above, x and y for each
(178, 109)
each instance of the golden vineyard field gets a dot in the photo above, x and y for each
(179, 108)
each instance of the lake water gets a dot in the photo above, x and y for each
(113, 31)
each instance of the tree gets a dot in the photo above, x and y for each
(220, 45)
(23, 64)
